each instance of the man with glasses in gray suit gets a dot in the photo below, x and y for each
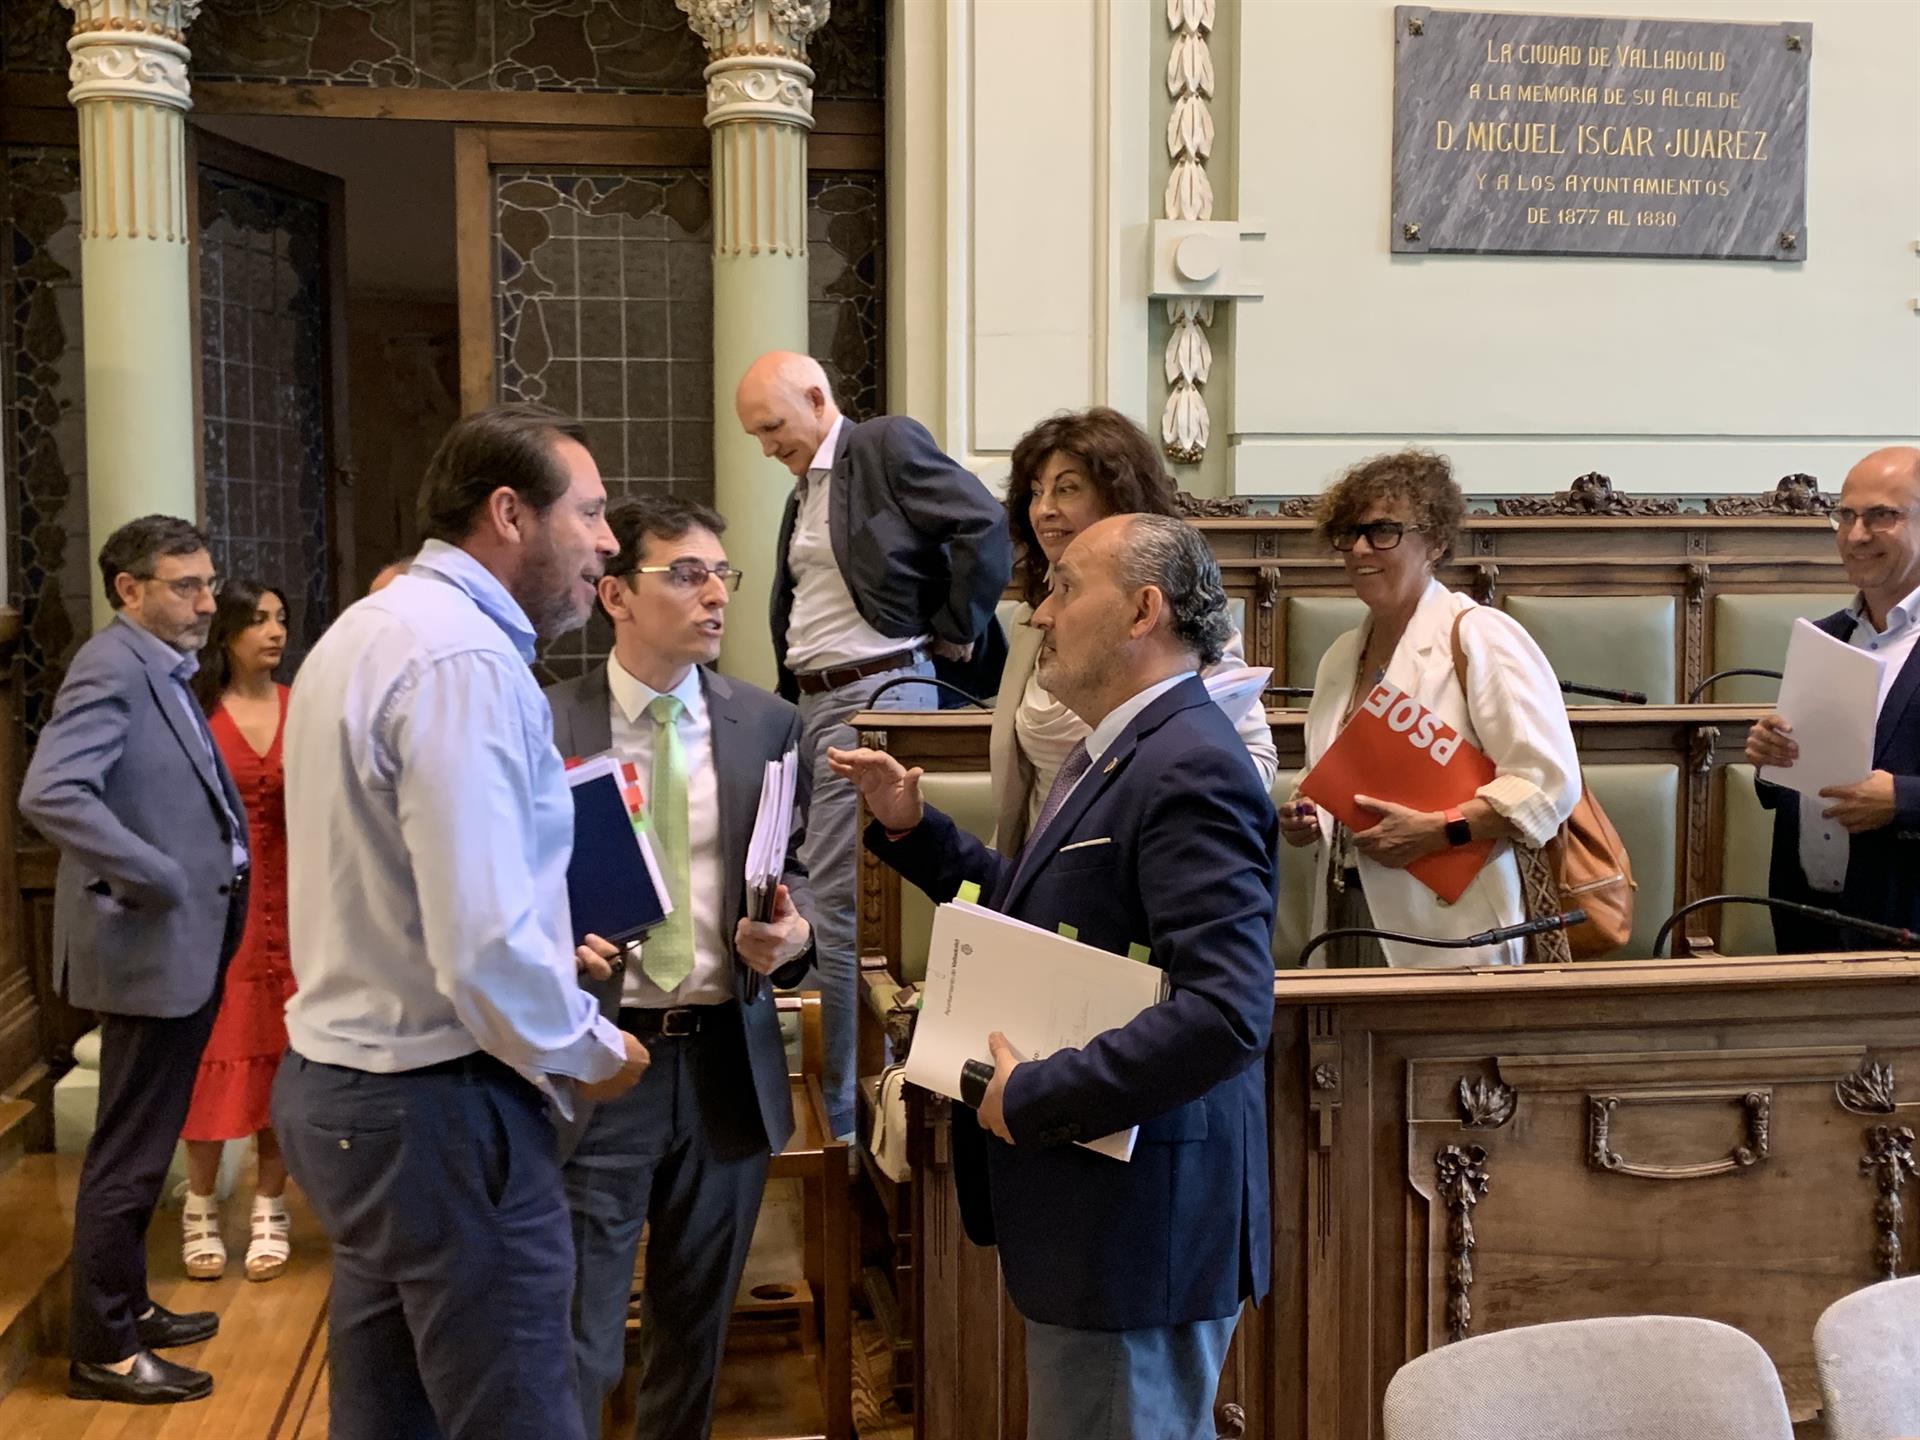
(149, 902)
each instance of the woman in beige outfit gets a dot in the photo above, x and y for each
(1069, 471)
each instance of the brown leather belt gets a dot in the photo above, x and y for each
(818, 682)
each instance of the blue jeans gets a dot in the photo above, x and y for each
(831, 853)
(1153, 1384)
(452, 1257)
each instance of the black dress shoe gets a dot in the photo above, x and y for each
(152, 1381)
(164, 1330)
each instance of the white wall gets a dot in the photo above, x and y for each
(1671, 376)
(1017, 206)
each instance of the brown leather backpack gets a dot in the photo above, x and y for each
(1586, 860)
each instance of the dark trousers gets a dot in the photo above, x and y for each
(648, 1158)
(147, 1069)
(452, 1259)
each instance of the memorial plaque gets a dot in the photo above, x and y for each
(1576, 135)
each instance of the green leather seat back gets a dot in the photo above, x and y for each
(1746, 844)
(1623, 642)
(1642, 801)
(968, 798)
(1750, 631)
(1314, 622)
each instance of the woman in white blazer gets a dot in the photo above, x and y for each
(1391, 520)
(1069, 471)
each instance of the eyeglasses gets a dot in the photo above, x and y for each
(693, 574)
(187, 587)
(1381, 535)
(1879, 518)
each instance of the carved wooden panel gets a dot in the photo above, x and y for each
(1431, 1141)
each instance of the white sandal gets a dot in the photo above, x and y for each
(201, 1246)
(271, 1245)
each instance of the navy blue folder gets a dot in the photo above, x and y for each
(608, 886)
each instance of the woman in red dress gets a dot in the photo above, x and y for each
(247, 712)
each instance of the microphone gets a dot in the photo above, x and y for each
(1567, 687)
(1621, 697)
(974, 700)
(1499, 935)
(1694, 694)
(1894, 934)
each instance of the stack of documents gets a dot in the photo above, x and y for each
(1238, 689)
(1044, 992)
(1829, 694)
(772, 831)
(614, 887)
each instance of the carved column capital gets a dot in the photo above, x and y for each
(759, 110)
(130, 50)
(758, 49)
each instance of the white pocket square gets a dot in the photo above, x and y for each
(1086, 844)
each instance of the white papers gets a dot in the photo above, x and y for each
(1044, 992)
(1830, 696)
(772, 831)
(1237, 689)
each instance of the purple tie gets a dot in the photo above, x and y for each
(1071, 770)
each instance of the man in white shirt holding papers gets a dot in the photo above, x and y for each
(1157, 833)
(440, 1015)
(1855, 848)
(686, 1150)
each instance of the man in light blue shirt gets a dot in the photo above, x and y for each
(439, 1012)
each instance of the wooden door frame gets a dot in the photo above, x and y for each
(479, 149)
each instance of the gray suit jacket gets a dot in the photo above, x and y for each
(742, 1076)
(122, 784)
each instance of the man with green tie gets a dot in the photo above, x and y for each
(686, 1149)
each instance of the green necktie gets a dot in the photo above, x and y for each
(667, 954)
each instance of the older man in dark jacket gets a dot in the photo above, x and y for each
(891, 557)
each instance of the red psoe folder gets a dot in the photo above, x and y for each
(1394, 748)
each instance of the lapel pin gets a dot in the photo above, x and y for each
(1108, 769)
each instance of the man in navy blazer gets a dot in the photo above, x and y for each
(148, 905)
(1157, 833)
(1856, 848)
(890, 560)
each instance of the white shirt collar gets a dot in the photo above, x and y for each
(1898, 617)
(1123, 714)
(823, 457)
(634, 696)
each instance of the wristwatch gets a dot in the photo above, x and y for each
(1459, 832)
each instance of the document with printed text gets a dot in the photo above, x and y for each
(1043, 991)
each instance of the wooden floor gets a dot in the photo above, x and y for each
(269, 1362)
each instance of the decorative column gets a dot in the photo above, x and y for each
(129, 75)
(1185, 428)
(759, 110)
